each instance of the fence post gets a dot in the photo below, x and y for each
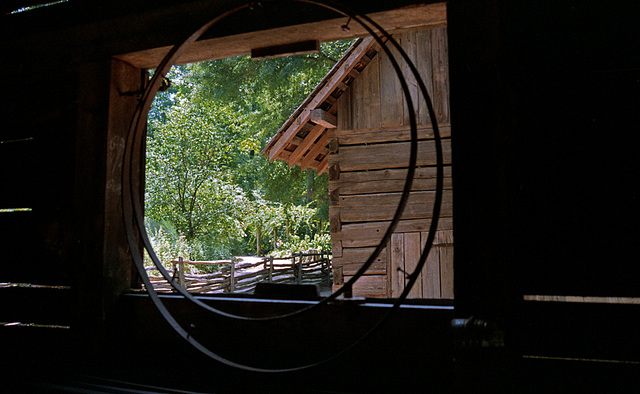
(327, 268)
(299, 280)
(174, 275)
(270, 269)
(294, 272)
(181, 280)
(232, 281)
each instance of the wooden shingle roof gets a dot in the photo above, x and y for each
(302, 139)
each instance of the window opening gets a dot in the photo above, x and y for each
(429, 238)
(369, 123)
(133, 211)
(221, 217)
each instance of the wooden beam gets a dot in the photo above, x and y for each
(388, 134)
(322, 167)
(394, 21)
(370, 286)
(313, 152)
(335, 224)
(382, 156)
(294, 48)
(336, 248)
(324, 118)
(358, 235)
(388, 180)
(382, 207)
(306, 144)
(353, 258)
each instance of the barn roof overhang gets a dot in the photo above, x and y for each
(303, 138)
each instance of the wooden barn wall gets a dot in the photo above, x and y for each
(368, 167)
(60, 226)
(37, 175)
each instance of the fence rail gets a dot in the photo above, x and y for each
(236, 276)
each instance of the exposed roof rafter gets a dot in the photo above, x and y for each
(310, 150)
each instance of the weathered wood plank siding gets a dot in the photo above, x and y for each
(368, 166)
(37, 174)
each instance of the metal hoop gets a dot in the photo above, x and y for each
(131, 195)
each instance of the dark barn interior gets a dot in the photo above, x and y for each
(544, 98)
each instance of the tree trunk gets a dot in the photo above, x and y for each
(258, 250)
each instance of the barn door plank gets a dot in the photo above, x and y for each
(396, 276)
(431, 271)
(412, 248)
(444, 239)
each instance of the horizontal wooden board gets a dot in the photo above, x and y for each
(388, 134)
(377, 207)
(40, 106)
(240, 44)
(353, 258)
(40, 305)
(35, 248)
(35, 172)
(368, 286)
(385, 181)
(390, 155)
(19, 174)
(370, 233)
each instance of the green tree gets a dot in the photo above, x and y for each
(188, 159)
(205, 176)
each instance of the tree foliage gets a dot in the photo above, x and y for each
(206, 181)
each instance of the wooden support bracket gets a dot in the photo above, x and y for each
(324, 118)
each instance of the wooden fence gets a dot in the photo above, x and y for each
(236, 276)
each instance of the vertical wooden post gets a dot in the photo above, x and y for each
(258, 250)
(270, 269)
(105, 267)
(232, 279)
(181, 280)
(275, 236)
(293, 265)
(175, 270)
(299, 280)
(326, 267)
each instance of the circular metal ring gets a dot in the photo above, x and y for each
(131, 196)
